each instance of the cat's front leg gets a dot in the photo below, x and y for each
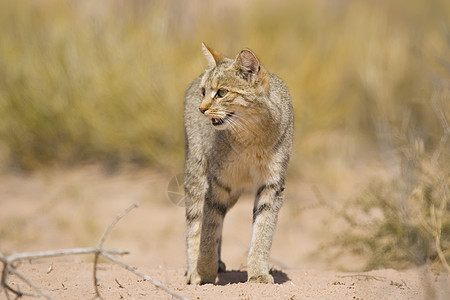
(214, 210)
(195, 186)
(194, 216)
(269, 199)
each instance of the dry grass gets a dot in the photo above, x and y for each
(404, 219)
(83, 82)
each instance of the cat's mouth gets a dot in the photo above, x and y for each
(221, 121)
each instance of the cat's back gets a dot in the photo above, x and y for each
(192, 99)
(280, 103)
(278, 88)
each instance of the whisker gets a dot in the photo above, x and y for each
(234, 126)
(245, 125)
(239, 124)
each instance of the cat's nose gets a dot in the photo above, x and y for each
(202, 110)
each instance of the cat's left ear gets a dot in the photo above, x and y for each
(212, 56)
(248, 65)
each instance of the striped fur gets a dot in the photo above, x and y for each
(239, 126)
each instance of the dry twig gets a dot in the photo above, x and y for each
(9, 265)
(102, 240)
(142, 275)
(11, 262)
(363, 276)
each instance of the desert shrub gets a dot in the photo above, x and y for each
(104, 82)
(79, 85)
(403, 218)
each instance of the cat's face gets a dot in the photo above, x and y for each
(230, 88)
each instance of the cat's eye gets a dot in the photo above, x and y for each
(221, 93)
(203, 92)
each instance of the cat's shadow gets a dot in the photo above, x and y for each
(236, 276)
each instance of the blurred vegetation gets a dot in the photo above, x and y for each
(103, 82)
(403, 219)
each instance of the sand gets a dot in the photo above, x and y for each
(62, 209)
(73, 280)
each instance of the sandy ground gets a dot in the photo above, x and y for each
(71, 208)
(74, 281)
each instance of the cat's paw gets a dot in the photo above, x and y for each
(207, 278)
(193, 278)
(263, 278)
(222, 268)
(207, 269)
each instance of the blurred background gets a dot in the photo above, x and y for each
(101, 83)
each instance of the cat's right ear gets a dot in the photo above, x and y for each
(212, 56)
(248, 65)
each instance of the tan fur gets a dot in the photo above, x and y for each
(239, 128)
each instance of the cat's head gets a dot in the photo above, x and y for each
(230, 88)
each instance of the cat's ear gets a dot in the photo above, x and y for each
(212, 56)
(248, 65)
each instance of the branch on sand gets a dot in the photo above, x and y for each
(12, 262)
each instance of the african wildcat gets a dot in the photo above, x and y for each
(239, 126)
